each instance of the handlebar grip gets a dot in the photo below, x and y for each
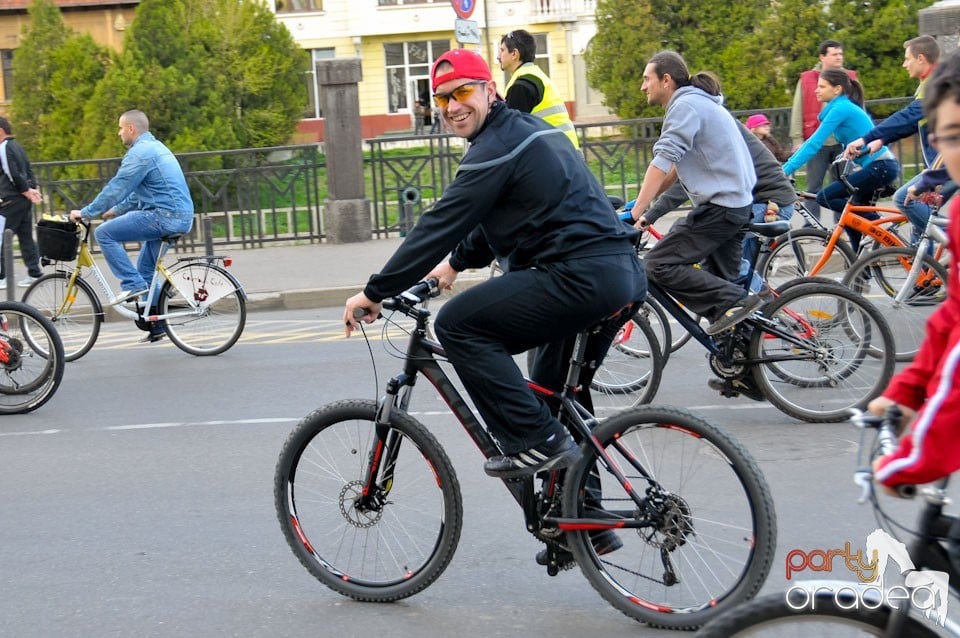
(360, 312)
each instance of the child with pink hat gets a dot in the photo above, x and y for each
(759, 125)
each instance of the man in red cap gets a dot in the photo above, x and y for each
(524, 195)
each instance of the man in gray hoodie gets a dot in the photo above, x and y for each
(701, 145)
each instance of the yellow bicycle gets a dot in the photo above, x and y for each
(200, 306)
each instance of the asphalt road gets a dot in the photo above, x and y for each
(138, 501)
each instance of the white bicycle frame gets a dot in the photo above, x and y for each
(931, 233)
(197, 297)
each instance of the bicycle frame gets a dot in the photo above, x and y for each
(931, 234)
(421, 358)
(849, 219)
(161, 273)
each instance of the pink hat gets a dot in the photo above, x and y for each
(755, 120)
(466, 64)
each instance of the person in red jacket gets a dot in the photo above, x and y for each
(928, 391)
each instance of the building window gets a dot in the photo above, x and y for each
(408, 71)
(6, 57)
(293, 6)
(542, 59)
(313, 88)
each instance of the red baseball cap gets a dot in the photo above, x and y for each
(466, 64)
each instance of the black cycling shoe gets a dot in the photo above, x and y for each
(736, 387)
(557, 451)
(605, 541)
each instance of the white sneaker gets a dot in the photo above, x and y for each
(26, 281)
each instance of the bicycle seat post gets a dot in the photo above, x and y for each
(576, 363)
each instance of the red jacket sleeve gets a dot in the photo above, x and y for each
(931, 450)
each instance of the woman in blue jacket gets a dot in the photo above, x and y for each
(843, 117)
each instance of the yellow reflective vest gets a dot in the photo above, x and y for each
(551, 108)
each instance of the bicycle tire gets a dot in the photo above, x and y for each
(658, 318)
(879, 275)
(717, 527)
(31, 369)
(323, 462)
(631, 370)
(794, 253)
(77, 322)
(215, 325)
(851, 348)
(771, 616)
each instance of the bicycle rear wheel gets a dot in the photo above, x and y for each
(795, 253)
(825, 350)
(824, 615)
(74, 310)
(631, 370)
(881, 275)
(31, 358)
(707, 527)
(402, 537)
(219, 308)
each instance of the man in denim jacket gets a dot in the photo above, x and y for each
(147, 199)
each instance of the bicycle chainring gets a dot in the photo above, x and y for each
(12, 350)
(730, 367)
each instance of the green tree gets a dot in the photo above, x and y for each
(210, 74)
(873, 42)
(758, 48)
(32, 68)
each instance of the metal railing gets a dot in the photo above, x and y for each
(255, 197)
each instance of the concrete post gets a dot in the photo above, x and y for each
(941, 20)
(346, 212)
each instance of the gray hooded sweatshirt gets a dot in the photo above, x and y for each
(701, 138)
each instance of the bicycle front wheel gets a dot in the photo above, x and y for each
(703, 536)
(31, 358)
(882, 274)
(823, 614)
(795, 253)
(382, 546)
(824, 350)
(208, 306)
(74, 310)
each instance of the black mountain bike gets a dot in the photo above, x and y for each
(370, 504)
(815, 350)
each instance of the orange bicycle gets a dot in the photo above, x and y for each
(806, 252)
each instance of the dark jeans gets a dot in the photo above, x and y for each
(483, 327)
(19, 218)
(711, 236)
(817, 169)
(867, 181)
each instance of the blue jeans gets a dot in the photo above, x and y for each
(867, 181)
(146, 226)
(817, 169)
(750, 240)
(916, 211)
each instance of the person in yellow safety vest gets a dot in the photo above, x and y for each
(530, 90)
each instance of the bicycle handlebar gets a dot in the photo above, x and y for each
(406, 300)
(886, 436)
